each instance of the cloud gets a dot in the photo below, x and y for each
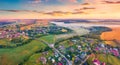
(72, 1)
(35, 1)
(55, 13)
(61, 13)
(112, 2)
(15, 10)
(68, 1)
(86, 4)
(79, 12)
(88, 10)
(34, 11)
(84, 8)
(52, 13)
(102, 1)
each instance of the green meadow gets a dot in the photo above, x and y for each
(15, 56)
(49, 38)
(34, 59)
(111, 60)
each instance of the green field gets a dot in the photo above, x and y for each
(5, 42)
(34, 59)
(48, 38)
(65, 43)
(15, 56)
(112, 60)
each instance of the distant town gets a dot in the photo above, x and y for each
(56, 42)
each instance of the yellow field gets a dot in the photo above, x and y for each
(111, 35)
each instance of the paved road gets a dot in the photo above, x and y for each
(84, 60)
(69, 63)
(52, 46)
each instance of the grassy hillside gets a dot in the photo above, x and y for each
(111, 60)
(34, 59)
(18, 55)
(48, 38)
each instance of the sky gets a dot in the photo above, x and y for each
(59, 9)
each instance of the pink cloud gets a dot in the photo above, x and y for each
(112, 2)
(102, 1)
(70, 1)
(35, 1)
